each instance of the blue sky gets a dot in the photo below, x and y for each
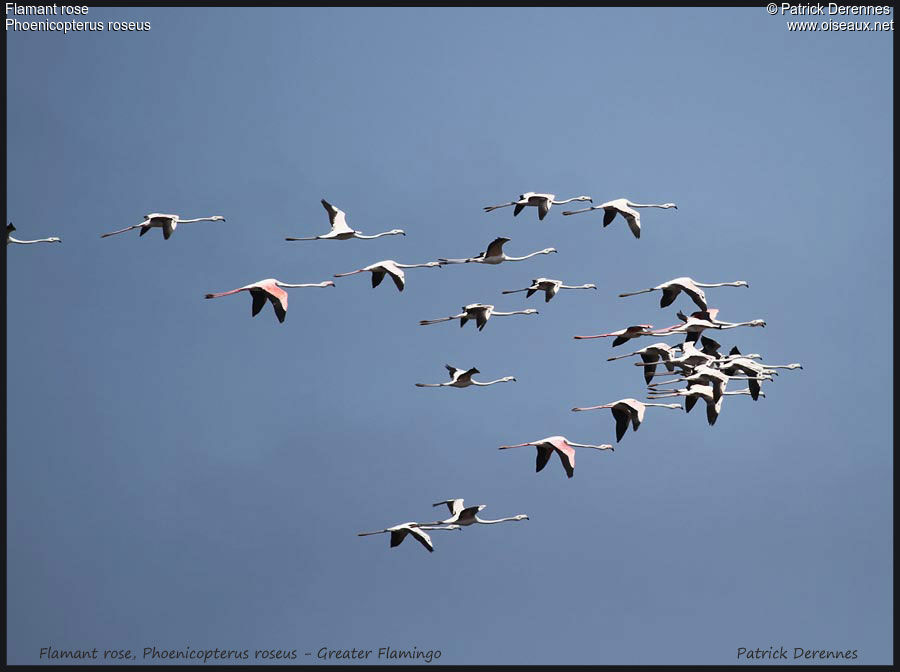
(181, 474)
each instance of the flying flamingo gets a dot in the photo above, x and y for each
(399, 532)
(624, 410)
(624, 207)
(547, 285)
(671, 289)
(390, 267)
(543, 202)
(624, 335)
(705, 392)
(563, 447)
(270, 289)
(341, 231)
(480, 312)
(167, 223)
(495, 255)
(9, 239)
(651, 355)
(462, 515)
(463, 378)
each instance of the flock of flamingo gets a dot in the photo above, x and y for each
(697, 361)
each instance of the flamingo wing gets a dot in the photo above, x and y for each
(689, 403)
(649, 370)
(377, 277)
(168, 227)
(259, 300)
(519, 207)
(622, 417)
(398, 280)
(279, 299)
(567, 458)
(495, 249)
(609, 214)
(481, 319)
(543, 208)
(544, 451)
(669, 294)
(634, 222)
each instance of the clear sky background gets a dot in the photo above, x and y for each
(181, 474)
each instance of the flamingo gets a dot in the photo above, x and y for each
(624, 335)
(705, 392)
(495, 255)
(689, 286)
(390, 267)
(624, 207)
(650, 356)
(543, 202)
(463, 378)
(270, 289)
(703, 319)
(341, 231)
(399, 532)
(563, 447)
(167, 223)
(463, 515)
(624, 410)
(547, 285)
(480, 312)
(9, 239)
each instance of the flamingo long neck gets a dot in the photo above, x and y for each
(663, 405)
(29, 242)
(527, 256)
(499, 380)
(377, 235)
(414, 265)
(719, 284)
(577, 286)
(315, 284)
(591, 408)
(513, 312)
(491, 522)
(568, 200)
(586, 445)
(198, 219)
(648, 205)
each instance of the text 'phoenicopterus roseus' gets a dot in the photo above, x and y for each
(167, 223)
(463, 378)
(624, 207)
(563, 447)
(270, 289)
(9, 239)
(624, 410)
(463, 515)
(480, 312)
(399, 532)
(391, 268)
(547, 285)
(495, 255)
(543, 202)
(340, 230)
(671, 289)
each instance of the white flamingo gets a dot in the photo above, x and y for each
(671, 289)
(495, 255)
(463, 378)
(707, 393)
(651, 355)
(463, 515)
(9, 239)
(562, 446)
(543, 202)
(167, 223)
(480, 312)
(547, 285)
(624, 335)
(391, 268)
(272, 290)
(341, 231)
(399, 533)
(624, 207)
(625, 410)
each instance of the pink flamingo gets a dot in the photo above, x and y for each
(165, 222)
(563, 447)
(270, 289)
(340, 230)
(625, 335)
(624, 207)
(9, 239)
(462, 515)
(624, 410)
(543, 202)
(391, 268)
